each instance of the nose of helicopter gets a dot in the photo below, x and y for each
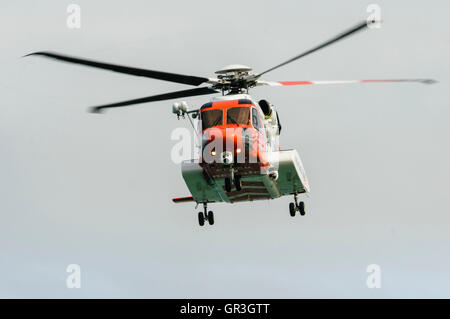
(229, 138)
(228, 145)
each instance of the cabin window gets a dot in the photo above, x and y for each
(238, 115)
(211, 118)
(255, 119)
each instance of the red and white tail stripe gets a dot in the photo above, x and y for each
(287, 83)
(183, 199)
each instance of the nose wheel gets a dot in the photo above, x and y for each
(227, 184)
(297, 207)
(237, 182)
(233, 179)
(205, 216)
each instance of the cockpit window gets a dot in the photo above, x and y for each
(255, 119)
(238, 115)
(211, 118)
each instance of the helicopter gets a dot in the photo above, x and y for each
(240, 158)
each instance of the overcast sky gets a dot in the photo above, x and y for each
(95, 190)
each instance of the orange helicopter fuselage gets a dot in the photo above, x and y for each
(232, 130)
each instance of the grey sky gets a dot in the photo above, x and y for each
(96, 190)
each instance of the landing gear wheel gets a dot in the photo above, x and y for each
(238, 182)
(301, 208)
(201, 219)
(227, 184)
(211, 218)
(292, 209)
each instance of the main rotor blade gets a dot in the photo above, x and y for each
(172, 77)
(154, 98)
(356, 28)
(288, 83)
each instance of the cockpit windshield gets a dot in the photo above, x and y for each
(238, 115)
(211, 118)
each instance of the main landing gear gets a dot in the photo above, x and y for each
(233, 179)
(297, 207)
(205, 216)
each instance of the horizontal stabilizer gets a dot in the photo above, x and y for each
(183, 199)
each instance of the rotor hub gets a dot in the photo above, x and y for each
(234, 78)
(234, 68)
